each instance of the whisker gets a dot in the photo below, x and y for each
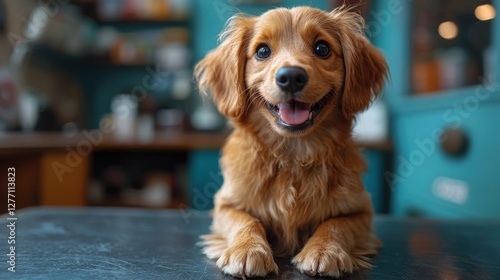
(254, 98)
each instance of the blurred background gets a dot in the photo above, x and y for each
(98, 104)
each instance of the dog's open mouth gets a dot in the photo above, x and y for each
(293, 115)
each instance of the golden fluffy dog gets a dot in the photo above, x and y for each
(291, 81)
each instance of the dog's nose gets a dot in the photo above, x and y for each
(291, 79)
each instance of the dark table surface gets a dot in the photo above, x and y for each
(116, 243)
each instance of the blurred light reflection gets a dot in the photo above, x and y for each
(485, 12)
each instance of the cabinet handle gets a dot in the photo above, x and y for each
(454, 142)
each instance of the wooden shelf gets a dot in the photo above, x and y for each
(167, 140)
(163, 140)
(383, 145)
(180, 140)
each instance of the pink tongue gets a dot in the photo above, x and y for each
(293, 112)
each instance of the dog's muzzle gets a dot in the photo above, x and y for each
(294, 116)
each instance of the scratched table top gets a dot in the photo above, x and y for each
(125, 243)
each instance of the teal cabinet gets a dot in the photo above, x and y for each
(450, 86)
(374, 180)
(429, 182)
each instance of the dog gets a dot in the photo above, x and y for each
(291, 82)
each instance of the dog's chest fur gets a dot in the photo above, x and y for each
(292, 200)
(282, 189)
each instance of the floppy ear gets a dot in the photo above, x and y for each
(222, 72)
(365, 67)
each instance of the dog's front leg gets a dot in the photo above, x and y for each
(239, 242)
(339, 245)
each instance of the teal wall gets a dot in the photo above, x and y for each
(204, 178)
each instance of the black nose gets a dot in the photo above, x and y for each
(291, 79)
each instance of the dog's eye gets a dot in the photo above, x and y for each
(263, 52)
(321, 49)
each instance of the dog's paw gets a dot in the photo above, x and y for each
(247, 260)
(329, 260)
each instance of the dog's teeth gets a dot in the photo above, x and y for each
(310, 115)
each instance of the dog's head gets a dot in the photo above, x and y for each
(293, 69)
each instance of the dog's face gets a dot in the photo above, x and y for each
(295, 65)
(291, 69)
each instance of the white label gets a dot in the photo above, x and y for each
(451, 190)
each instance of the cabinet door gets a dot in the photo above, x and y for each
(62, 184)
(428, 181)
